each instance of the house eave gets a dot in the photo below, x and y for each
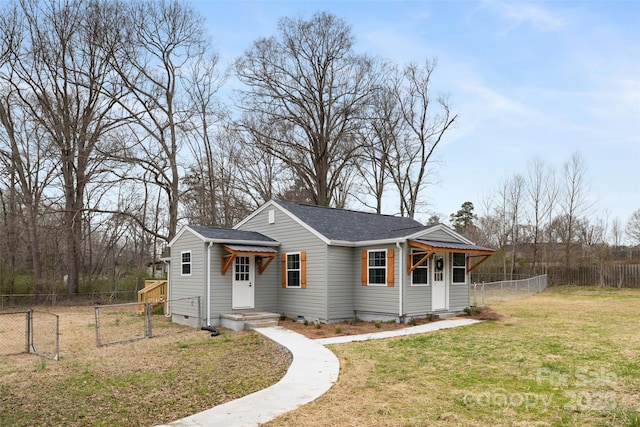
(366, 242)
(242, 242)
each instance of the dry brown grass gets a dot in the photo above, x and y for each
(144, 382)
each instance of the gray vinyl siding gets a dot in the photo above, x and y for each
(192, 285)
(311, 302)
(265, 297)
(221, 286)
(417, 299)
(458, 293)
(439, 235)
(340, 283)
(458, 297)
(380, 299)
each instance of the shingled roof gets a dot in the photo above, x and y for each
(217, 233)
(352, 226)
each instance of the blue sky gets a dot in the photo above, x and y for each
(539, 79)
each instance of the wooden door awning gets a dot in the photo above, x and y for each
(264, 255)
(429, 247)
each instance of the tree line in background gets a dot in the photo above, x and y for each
(113, 131)
(544, 218)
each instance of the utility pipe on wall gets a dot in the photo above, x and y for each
(401, 277)
(209, 283)
(168, 267)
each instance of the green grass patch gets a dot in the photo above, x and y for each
(566, 357)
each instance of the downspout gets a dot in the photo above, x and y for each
(209, 283)
(401, 277)
(168, 313)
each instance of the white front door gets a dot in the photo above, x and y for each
(243, 283)
(439, 288)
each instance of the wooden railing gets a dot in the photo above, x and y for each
(154, 292)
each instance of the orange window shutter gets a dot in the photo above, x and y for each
(303, 269)
(389, 267)
(364, 269)
(283, 258)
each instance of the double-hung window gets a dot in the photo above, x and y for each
(293, 270)
(186, 264)
(377, 267)
(459, 268)
(420, 275)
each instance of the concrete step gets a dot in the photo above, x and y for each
(254, 324)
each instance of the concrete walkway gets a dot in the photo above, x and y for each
(312, 373)
(420, 329)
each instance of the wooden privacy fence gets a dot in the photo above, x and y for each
(617, 275)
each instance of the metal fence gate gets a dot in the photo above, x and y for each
(30, 331)
(118, 323)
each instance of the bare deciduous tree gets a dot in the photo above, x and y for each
(307, 79)
(425, 123)
(61, 71)
(574, 200)
(203, 203)
(616, 232)
(542, 191)
(160, 41)
(378, 135)
(265, 176)
(633, 227)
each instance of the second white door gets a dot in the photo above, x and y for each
(243, 291)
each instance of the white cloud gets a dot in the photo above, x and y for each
(518, 14)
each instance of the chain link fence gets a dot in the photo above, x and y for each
(117, 323)
(8, 301)
(490, 293)
(30, 331)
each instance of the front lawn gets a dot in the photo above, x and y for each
(566, 357)
(138, 383)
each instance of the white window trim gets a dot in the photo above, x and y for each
(182, 263)
(386, 257)
(299, 270)
(428, 267)
(463, 267)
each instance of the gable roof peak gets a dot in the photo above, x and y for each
(337, 224)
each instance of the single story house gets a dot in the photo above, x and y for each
(320, 264)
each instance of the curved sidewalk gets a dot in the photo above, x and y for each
(313, 371)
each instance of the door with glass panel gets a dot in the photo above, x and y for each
(243, 291)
